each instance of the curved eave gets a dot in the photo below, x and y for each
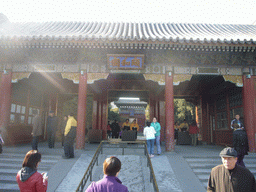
(162, 35)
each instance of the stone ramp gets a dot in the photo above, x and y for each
(134, 173)
(131, 173)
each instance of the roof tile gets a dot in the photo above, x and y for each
(203, 33)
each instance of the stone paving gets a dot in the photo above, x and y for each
(74, 176)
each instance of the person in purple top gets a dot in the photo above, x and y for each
(110, 182)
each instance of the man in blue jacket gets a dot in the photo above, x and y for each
(157, 128)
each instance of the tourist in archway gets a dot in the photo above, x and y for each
(37, 129)
(157, 128)
(184, 126)
(237, 121)
(193, 131)
(52, 124)
(62, 127)
(126, 125)
(176, 130)
(115, 129)
(240, 140)
(109, 133)
(240, 143)
(70, 135)
(134, 126)
(150, 132)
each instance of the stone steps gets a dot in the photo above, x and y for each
(11, 163)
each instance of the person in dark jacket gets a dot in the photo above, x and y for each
(37, 129)
(110, 182)
(62, 127)
(28, 179)
(230, 177)
(240, 143)
(115, 129)
(109, 133)
(52, 124)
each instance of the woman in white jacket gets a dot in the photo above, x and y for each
(150, 132)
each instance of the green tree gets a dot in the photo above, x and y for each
(113, 115)
(70, 106)
(183, 110)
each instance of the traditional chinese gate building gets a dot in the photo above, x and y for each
(212, 66)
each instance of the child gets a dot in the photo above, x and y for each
(150, 132)
(1, 143)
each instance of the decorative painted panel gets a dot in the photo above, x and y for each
(208, 70)
(178, 78)
(20, 68)
(18, 76)
(156, 69)
(182, 70)
(71, 76)
(234, 71)
(123, 61)
(44, 68)
(91, 77)
(160, 79)
(96, 68)
(237, 79)
(70, 68)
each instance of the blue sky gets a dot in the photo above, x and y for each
(174, 11)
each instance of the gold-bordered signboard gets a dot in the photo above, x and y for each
(125, 61)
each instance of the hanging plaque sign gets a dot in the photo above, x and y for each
(125, 61)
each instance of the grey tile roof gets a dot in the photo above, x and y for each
(165, 32)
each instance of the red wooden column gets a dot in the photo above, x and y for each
(169, 113)
(104, 117)
(5, 93)
(249, 109)
(81, 111)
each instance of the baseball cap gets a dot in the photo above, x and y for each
(228, 152)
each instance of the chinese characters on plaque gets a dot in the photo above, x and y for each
(125, 61)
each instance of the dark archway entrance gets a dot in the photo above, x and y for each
(216, 102)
